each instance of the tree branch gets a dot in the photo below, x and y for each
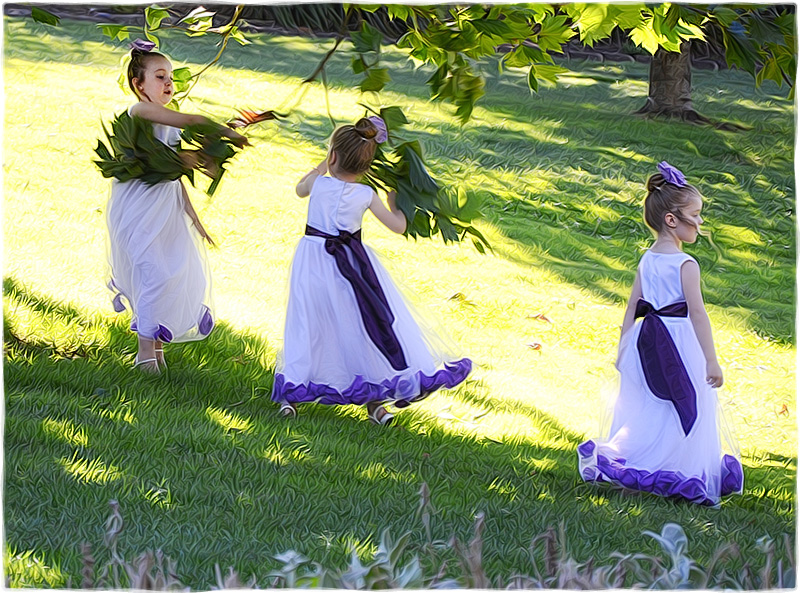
(321, 66)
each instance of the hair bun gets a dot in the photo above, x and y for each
(655, 182)
(366, 129)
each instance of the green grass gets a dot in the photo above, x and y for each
(200, 463)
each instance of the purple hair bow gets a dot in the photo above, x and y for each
(671, 174)
(382, 135)
(143, 45)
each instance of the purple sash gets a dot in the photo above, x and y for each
(372, 304)
(663, 368)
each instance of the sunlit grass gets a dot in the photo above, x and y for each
(86, 470)
(561, 174)
(26, 569)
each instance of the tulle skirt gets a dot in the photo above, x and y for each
(158, 264)
(646, 448)
(328, 356)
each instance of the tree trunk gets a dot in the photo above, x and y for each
(670, 89)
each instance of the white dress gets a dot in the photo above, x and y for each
(675, 443)
(159, 267)
(352, 341)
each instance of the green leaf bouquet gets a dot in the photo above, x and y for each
(133, 152)
(429, 208)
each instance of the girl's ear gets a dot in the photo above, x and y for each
(331, 158)
(670, 220)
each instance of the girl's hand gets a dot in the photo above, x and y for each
(238, 139)
(190, 158)
(203, 233)
(713, 374)
(209, 167)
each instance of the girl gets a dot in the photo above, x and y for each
(158, 261)
(349, 336)
(667, 433)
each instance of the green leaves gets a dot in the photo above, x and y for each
(493, 27)
(375, 79)
(740, 51)
(197, 22)
(115, 32)
(554, 32)
(393, 117)
(42, 16)
(181, 77)
(367, 47)
(594, 21)
(133, 152)
(153, 15)
(458, 83)
(368, 39)
(429, 208)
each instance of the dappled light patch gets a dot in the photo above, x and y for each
(377, 471)
(89, 471)
(228, 421)
(597, 500)
(121, 414)
(67, 431)
(58, 329)
(505, 488)
(28, 569)
(159, 496)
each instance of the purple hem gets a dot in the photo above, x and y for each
(163, 334)
(661, 482)
(360, 392)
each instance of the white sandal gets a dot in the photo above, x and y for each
(288, 411)
(163, 362)
(139, 363)
(384, 419)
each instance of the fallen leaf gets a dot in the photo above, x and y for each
(540, 317)
(248, 117)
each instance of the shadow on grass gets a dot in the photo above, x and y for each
(205, 470)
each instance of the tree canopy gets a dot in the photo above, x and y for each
(456, 39)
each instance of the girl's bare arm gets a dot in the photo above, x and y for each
(161, 115)
(391, 217)
(304, 186)
(690, 278)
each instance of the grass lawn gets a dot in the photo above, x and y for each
(199, 461)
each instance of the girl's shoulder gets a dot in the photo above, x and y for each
(676, 256)
(654, 260)
(328, 183)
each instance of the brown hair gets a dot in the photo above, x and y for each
(138, 65)
(354, 146)
(664, 197)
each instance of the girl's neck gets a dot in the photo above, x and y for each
(342, 176)
(667, 243)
